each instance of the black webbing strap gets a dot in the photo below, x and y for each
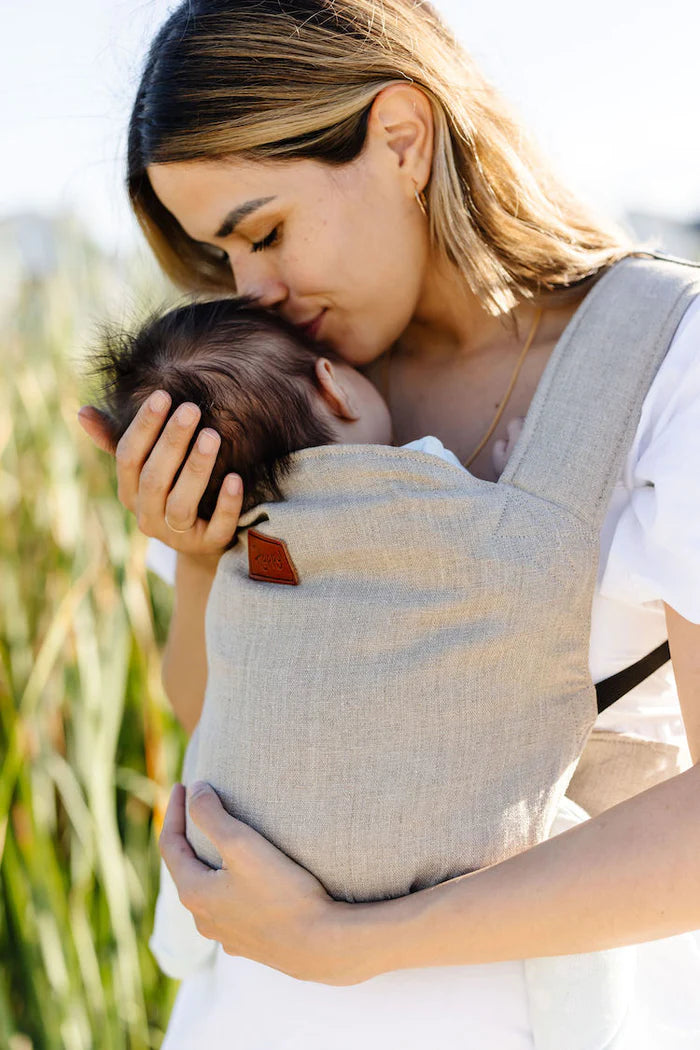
(612, 688)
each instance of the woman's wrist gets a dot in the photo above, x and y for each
(378, 937)
(184, 656)
(580, 891)
(193, 565)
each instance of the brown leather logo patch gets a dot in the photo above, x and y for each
(269, 559)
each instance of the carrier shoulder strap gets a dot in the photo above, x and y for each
(586, 409)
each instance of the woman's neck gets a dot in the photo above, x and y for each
(448, 373)
(450, 320)
(451, 323)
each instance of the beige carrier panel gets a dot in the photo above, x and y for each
(414, 708)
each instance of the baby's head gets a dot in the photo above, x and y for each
(265, 387)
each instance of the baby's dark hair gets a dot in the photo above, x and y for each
(251, 373)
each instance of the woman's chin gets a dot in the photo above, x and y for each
(361, 354)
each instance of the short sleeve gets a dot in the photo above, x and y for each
(161, 560)
(654, 554)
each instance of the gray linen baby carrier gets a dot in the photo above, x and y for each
(414, 708)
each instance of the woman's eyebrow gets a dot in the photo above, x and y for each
(238, 214)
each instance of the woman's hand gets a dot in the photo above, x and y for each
(503, 448)
(260, 904)
(147, 465)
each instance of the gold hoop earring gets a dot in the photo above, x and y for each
(421, 200)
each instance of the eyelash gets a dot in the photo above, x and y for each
(266, 242)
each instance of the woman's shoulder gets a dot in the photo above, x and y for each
(671, 410)
(654, 543)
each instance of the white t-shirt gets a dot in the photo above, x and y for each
(649, 553)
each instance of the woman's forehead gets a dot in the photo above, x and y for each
(234, 175)
(190, 183)
(203, 193)
(182, 178)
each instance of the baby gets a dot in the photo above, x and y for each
(261, 383)
(268, 390)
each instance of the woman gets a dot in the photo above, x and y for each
(345, 164)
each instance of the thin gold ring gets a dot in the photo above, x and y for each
(173, 529)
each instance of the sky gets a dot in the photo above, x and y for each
(609, 88)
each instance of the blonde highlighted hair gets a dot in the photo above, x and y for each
(284, 79)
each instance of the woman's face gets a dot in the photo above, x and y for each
(342, 249)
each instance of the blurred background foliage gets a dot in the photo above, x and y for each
(89, 746)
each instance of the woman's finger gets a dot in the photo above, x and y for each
(183, 500)
(136, 443)
(514, 428)
(173, 830)
(218, 825)
(224, 520)
(499, 456)
(157, 474)
(95, 426)
(180, 859)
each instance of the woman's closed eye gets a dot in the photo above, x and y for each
(266, 242)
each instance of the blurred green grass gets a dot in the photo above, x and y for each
(88, 744)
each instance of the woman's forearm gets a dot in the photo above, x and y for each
(632, 874)
(185, 658)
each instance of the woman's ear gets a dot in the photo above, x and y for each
(402, 118)
(337, 395)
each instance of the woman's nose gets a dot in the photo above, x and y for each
(266, 289)
(269, 295)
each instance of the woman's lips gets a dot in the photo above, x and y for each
(311, 329)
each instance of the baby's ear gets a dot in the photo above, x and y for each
(334, 392)
(325, 372)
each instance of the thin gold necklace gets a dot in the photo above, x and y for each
(511, 386)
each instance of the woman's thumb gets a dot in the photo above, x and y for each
(233, 838)
(205, 809)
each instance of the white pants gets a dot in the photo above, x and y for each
(639, 998)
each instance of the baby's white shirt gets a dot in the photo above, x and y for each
(435, 447)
